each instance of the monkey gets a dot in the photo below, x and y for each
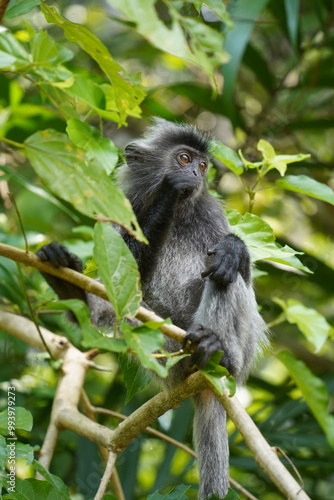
(194, 270)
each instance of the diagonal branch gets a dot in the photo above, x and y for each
(86, 283)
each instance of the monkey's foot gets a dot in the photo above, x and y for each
(204, 342)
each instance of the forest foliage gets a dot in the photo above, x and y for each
(78, 81)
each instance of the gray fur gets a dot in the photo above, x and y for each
(175, 289)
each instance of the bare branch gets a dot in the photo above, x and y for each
(106, 476)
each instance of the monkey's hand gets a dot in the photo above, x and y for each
(229, 257)
(180, 184)
(60, 256)
(204, 342)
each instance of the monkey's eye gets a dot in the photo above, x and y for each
(184, 158)
(203, 166)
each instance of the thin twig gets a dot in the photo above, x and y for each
(89, 411)
(106, 476)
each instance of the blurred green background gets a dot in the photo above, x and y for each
(276, 83)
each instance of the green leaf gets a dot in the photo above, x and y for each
(88, 91)
(145, 342)
(218, 7)
(12, 53)
(305, 185)
(227, 156)
(260, 240)
(266, 149)
(292, 18)
(22, 422)
(134, 376)
(98, 149)
(20, 7)
(245, 14)
(3, 452)
(43, 48)
(310, 322)
(40, 192)
(187, 38)
(214, 373)
(118, 270)
(52, 488)
(178, 493)
(94, 339)
(127, 95)
(313, 390)
(55, 158)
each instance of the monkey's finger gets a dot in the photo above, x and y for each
(226, 273)
(211, 269)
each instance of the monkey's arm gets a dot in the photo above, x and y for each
(59, 256)
(156, 220)
(230, 257)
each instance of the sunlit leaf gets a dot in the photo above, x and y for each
(99, 149)
(266, 149)
(310, 322)
(12, 53)
(260, 240)
(227, 156)
(313, 390)
(127, 95)
(305, 185)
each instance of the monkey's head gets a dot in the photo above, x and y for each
(166, 148)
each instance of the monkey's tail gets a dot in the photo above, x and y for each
(211, 444)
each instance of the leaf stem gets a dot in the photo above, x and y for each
(13, 143)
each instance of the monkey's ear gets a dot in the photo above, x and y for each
(135, 153)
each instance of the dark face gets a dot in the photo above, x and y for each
(190, 161)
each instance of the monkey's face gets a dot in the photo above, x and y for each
(191, 162)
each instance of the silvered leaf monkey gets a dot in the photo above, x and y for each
(194, 270)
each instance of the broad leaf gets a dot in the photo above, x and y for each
(100, 150)
(118, 270)
(314, 392)
(227, 156)
(217, 375)
(305, 185)
(65, 170)
(12, 53)
(185, 37)
(127, 95)
(20, 7)
(134, 376)
(310, 322)
(23, 420)
(260, 240)
(145, 342)
(178, 493)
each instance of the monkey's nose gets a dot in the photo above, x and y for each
(194, 172)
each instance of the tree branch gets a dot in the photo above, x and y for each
(86, 283)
